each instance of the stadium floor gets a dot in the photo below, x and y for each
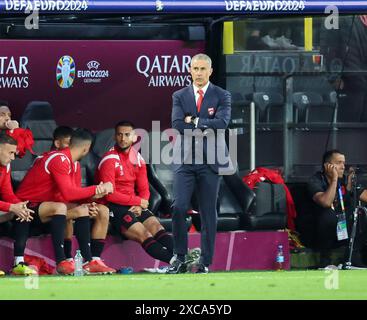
(219, 285)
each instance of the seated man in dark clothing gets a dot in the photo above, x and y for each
(331, 195)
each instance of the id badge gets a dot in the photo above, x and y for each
(341, 228)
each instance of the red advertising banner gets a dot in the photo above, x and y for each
(94, 84)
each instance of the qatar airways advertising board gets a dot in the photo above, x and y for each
(94, 84)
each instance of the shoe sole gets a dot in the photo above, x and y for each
(354, 268)
(23, 274)
(178, 272)
(155, 270)
(87, 273)
(64, 274)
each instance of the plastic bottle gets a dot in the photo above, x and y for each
(78, 260)
(279, 262)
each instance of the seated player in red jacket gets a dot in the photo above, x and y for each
(125, 168)
(24, 137)
(10, 205)
(49, 186)
(90, 210)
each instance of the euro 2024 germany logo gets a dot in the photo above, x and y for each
(65, 72)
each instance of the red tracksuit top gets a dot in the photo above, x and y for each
(128, 174)
(7, 195)
(76, 179)
(51, 178)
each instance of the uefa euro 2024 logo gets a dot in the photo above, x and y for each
(65, 72)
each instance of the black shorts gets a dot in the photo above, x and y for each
(37, 226)
(122, 219)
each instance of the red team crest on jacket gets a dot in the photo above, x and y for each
(120, 168)
(211, 111)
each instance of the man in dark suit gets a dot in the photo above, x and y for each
(201, 113)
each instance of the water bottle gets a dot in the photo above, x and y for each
(78, 260)
(279, 259)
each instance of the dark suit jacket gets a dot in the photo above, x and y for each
(215, 113)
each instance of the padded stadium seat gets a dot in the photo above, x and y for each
(88, 167)
(312, 107)
(269, 220)
(247, 199)
(162, 179)
(269, 106)
(240, 113)
(228, 208)
(154, 200)
(37, 110)
(104, 140)
(167, 223)
(38, 117)
(19, 168)
(330, 108)
(242, 193)
(161, 176)
(234, 201)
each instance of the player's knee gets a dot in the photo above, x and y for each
(144, 235)
(155, 227)
(82, 211)
(104, 214)
(139, 235)
(59, 209)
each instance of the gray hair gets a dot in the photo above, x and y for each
(202, 56)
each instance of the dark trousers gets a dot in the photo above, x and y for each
(326, 231)
(207, 182)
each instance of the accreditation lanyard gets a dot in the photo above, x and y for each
(340, 194)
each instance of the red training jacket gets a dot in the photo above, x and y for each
(260, 174)
(7, 195)
(128, 173)
(51, 179)
(24, 138)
